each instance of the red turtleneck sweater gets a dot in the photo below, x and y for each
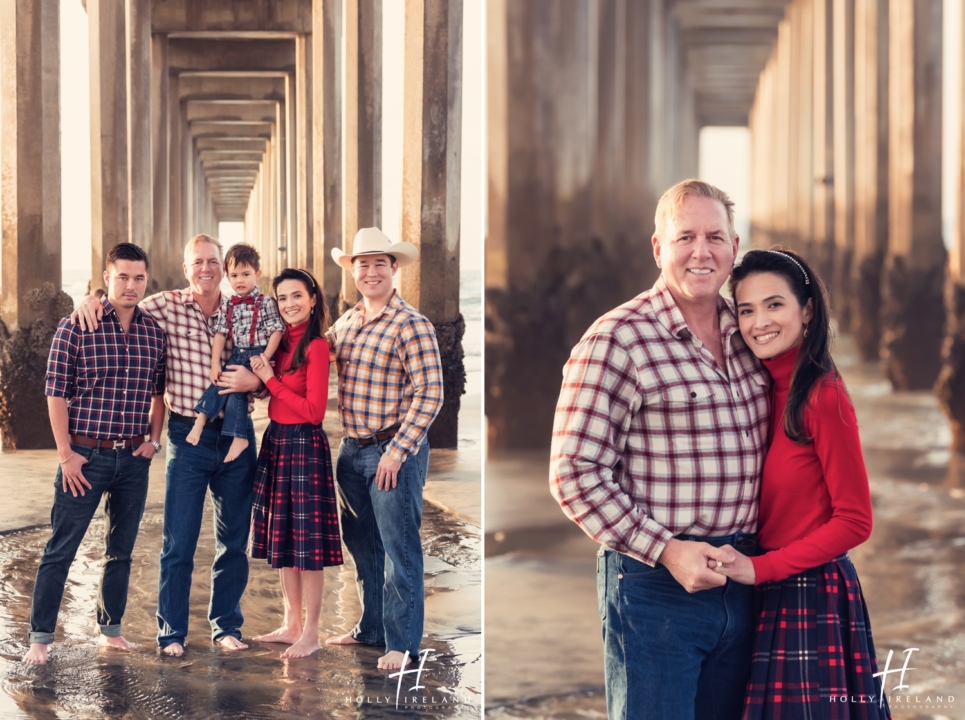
(815, 502)
(301, 396)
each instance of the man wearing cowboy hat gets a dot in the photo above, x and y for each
(389, 392)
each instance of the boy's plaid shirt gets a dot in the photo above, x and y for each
(651, 438)
(389, 373)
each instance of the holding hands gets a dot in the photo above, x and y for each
(261, 367)
(740, 569)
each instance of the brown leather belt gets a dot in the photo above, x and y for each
(111, 444)
(379, 436)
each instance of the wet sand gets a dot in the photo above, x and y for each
(82, 681)
(543, 649)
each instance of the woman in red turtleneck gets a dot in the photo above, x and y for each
(294, 517)
(814, 656)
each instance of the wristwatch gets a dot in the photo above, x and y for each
(156, 445)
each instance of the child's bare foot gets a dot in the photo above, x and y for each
(231, 643)
(195, 435)
(345, 639)
(174, 649)
(238, 446)
(303, 648)
(118, 643)
(36, 655)
(287, 635)
(393, 660)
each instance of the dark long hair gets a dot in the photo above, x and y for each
(813, 361)
(318, 321)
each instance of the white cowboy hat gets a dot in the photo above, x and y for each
(372, 241)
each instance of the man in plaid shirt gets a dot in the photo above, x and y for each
(188, 319)
(104, 395)
(389, 392)
(658, 445)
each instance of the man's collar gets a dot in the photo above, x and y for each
(188, 298)
(395, 303)
(669, 315)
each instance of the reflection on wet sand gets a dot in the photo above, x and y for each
(911, 569)
(81, 681)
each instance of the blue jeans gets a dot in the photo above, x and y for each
(192, 471)
(670, 654)
(235, 405)
(124, 479)
(380, 528)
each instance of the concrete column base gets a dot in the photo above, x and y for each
(24, 422)
(950, 387)
(912, 335)
(444, 430)
(866, 304)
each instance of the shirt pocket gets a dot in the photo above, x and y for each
(691, 411)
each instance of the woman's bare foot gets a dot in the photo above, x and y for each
(238, 446)
(174, 650)
(195, 435)
(393, 660)
(286, 635)
(36, 655)
(345, 639)
(303, 648)
(231, 643)
(118, 643)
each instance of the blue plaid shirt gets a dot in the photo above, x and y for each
(269, 320)
(108, 376)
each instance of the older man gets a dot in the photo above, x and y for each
(658, 445)
(188, 318)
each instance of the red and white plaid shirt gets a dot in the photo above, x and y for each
(189, 336)
(389, 373)
(651, 438)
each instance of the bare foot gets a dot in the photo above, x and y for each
(174, 650)
(303, 648)
(285, 635)
(238, 446)
(195, 435)
(36, 655)
(231, 643)
(119, 643)
(393, 660)
(345, 639)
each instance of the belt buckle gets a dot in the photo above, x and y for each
(118, 444)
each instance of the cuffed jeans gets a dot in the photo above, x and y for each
(124, 478)
(235, 405)
(670, 654)
(380, 528)
(192, 471)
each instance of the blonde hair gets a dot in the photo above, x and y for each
(193, 243)
(672, 200)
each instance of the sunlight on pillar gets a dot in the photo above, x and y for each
(75, 149)
(951, 112)
(231, 233)
(725, 161)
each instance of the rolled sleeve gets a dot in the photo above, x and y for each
(221, 322)
(269, 318)
(419, 353)
(62, 360)
(157, 381)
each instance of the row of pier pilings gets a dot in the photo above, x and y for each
(586, 131)
(266, 112)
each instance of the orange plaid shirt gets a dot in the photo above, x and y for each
(389, 373)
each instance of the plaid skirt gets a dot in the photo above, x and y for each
(294, 515)
(813, 653)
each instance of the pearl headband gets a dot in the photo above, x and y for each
(807, 280)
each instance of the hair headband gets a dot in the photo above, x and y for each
(306, 275)
(807, 280)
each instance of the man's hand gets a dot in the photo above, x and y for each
(740, 569)
(237, 379)
(689, 563)
(88, 313)
(387, 473)
(71, 475)
(145, 449)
